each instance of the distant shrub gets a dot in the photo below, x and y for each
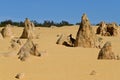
(77, 23)
(46, 23)
(4, 23)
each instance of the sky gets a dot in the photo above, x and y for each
(58, 10)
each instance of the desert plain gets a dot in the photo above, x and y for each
(58, 62)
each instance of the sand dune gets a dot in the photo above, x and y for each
(58, 62)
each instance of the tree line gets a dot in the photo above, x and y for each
(46, 23)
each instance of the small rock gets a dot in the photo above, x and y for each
(93, 72)
(19, 75)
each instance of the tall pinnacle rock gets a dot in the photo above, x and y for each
(85, 36)
(28, 31)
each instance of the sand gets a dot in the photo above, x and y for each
(57, 61)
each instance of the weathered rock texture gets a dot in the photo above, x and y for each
(28, 31)
(66, 40)
(99, 42)
(107, 29)
(1, 37)
(28, 48)
(106, 52)
(16, 44)
(85, 35)
(7, 32)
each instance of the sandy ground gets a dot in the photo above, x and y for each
(59, 62)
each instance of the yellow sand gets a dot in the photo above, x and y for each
(58, 62)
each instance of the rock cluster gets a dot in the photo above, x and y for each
(107, 29)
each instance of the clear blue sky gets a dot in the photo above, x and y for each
(58, 10)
